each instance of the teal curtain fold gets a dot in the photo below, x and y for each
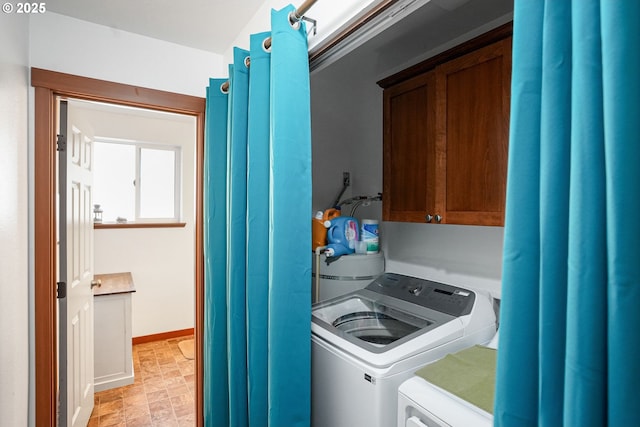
(289, 363)
(621, 88)
(571, 276)
(215, 381)
(237, 238)
(257, 268)
(258, 229)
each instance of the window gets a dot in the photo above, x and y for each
(136, 182)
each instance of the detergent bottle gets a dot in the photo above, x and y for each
(342, 235)
(318, 230)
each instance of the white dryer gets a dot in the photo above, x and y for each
(463, 397)
(366, 343)
(422, 404)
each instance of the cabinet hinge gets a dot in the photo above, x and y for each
(61, 143)
(62, 290)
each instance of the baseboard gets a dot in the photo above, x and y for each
(162, 336)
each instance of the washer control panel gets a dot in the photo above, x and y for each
(436, 296)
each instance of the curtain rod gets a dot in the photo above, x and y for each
(294, 17)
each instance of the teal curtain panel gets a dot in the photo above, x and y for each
(257, 267)
(571, 277)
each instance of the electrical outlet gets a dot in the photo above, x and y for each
(346, 179)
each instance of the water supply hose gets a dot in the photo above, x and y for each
(357, 201)
(319, 250)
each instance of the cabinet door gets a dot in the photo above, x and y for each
(472, 133)
(409, 149)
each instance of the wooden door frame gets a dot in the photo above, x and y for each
(47, 86)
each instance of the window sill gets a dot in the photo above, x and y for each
(98, 226)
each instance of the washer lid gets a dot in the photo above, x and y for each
(375, 322)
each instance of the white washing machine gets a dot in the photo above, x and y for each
(366, 343)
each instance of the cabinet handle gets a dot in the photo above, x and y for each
(428, 217)
(95, 283)
(438, 218)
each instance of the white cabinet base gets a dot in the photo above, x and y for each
(113, 362)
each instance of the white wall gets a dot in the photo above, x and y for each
(69, 45)
(61, 43)
(161, 263)
(14, 235)
(55, 42)
(462, 255)
(161, 260)
(346, 117)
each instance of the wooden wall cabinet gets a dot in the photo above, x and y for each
(409, 149)
(446, 135)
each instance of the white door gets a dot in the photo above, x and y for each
(76, 269)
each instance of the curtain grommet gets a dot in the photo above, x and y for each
(247, 61)
(294, 21)
(224, 87)
(266, 45)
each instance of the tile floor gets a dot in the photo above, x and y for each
(162, 394)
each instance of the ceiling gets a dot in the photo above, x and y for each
(210, 25)
(213, 25)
